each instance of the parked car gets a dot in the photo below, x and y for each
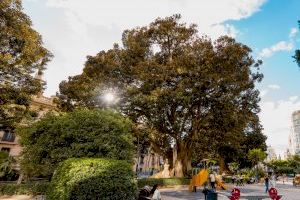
(296, 180)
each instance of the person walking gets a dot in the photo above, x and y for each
(267, 179)
(238, 180)
(156, 193)
(233, 179)
(273, 181)
(212, 179)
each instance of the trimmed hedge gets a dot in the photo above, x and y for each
(163, 181)
(37, 188)
(78, 134)
(93, 178)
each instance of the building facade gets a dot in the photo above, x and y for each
(271, 155)
(148, 163)
(294, 137)
(39, 104)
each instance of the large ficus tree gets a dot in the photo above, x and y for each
(21, 55)
(187, 90)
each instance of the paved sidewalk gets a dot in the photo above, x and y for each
(182, 193)
(21, 197)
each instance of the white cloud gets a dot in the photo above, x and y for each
(293, 32)
(73, 29)
(263, 93)
(275, 117)
(280, 46)
(274, 87)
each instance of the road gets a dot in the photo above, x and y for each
(181, 193)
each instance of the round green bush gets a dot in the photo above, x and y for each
(93, 178)
(78, 134)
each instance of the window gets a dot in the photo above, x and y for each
(8, 136)
(5, 149)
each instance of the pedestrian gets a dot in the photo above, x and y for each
(233, 179)
(156, 193)
(205, 191)
(212, 180)
(237, 180)
(273, 181)
(267, 183)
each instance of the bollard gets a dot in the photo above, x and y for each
(274, 194)
(235, 194)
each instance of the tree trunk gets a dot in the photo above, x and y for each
(223, 166)
(21, 176)
(178, 168)
(181, 161)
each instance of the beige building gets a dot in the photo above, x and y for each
(294, 137)
(271, 155)
(148, 163)
(39, 104)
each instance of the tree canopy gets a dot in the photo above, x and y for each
(256, 156)
(185, 89)
(21, 55)
(289, 166)
(81, 133)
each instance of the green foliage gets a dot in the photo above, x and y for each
(7, 172)
(87, 178)
(253, 172)
(256, 156)
(233, 166)
(297, 56)
(163, 181)
(187, 90)
(228, 179)
(289, 166)
(81, 133)
(21, 54)
(38, 188)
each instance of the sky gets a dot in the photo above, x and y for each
(73, 29)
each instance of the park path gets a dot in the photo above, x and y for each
(182, 193)
(21, 197)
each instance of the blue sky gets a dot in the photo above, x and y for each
(266, 28)
(73, 29)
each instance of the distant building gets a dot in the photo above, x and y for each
(271, 155)
(294, 137)
(287, 154)
(148, 163)
(40, 105)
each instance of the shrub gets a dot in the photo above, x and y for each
(93, 178)
(37, 188)
(163, 181)
(78, 134)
